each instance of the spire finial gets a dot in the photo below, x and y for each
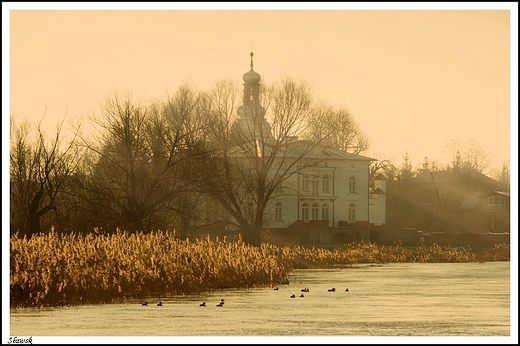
(251, 54)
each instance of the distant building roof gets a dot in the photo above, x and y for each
(450, 174)
(505, 193)
(378, 191)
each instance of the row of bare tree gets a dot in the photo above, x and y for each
(149, 165)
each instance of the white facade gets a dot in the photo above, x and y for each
(336, 190)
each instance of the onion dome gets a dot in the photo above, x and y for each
(251, 77)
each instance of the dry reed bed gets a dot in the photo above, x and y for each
(59, 269)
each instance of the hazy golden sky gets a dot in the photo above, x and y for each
(412, 79)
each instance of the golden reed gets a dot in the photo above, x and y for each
(52, 269)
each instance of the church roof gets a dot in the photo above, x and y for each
(322, 150)
(378, 191)
(295, 149)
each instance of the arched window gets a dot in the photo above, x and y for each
(305, 182)
(315, 212)
(352, 213)
(325, 183)
(325, 211)
(305, 212)
(352, 184)
(278, 212)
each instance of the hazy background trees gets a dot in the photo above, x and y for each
(39, 169)
(139, 179)
(158, 164)
(468, 155)
(503, 174)
(337, 129)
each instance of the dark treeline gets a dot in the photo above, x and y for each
(154, 165)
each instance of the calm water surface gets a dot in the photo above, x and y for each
(404, 299)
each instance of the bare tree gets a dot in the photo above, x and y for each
(39, 169)
(252, 159)
(468, 155)
(338, 127)
(143, 159)
(384, 167)
(503, 175)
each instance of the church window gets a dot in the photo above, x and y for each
(278, 212)
(352, 184)
(325, 211)
(315, 212)
(352, 213)
(325, 183)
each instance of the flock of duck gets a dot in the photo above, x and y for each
(203, 304)
(333, 289)
(146, 304)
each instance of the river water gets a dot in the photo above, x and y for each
(397, 299)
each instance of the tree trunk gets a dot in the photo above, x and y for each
(33, 219)
(252, 234)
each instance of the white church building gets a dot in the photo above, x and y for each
(333, 193)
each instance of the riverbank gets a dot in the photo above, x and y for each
(69, 269)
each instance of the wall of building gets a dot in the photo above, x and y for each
(360, 198)
(338, 198)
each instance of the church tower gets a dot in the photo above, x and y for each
(251, 85)
(251, 125)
